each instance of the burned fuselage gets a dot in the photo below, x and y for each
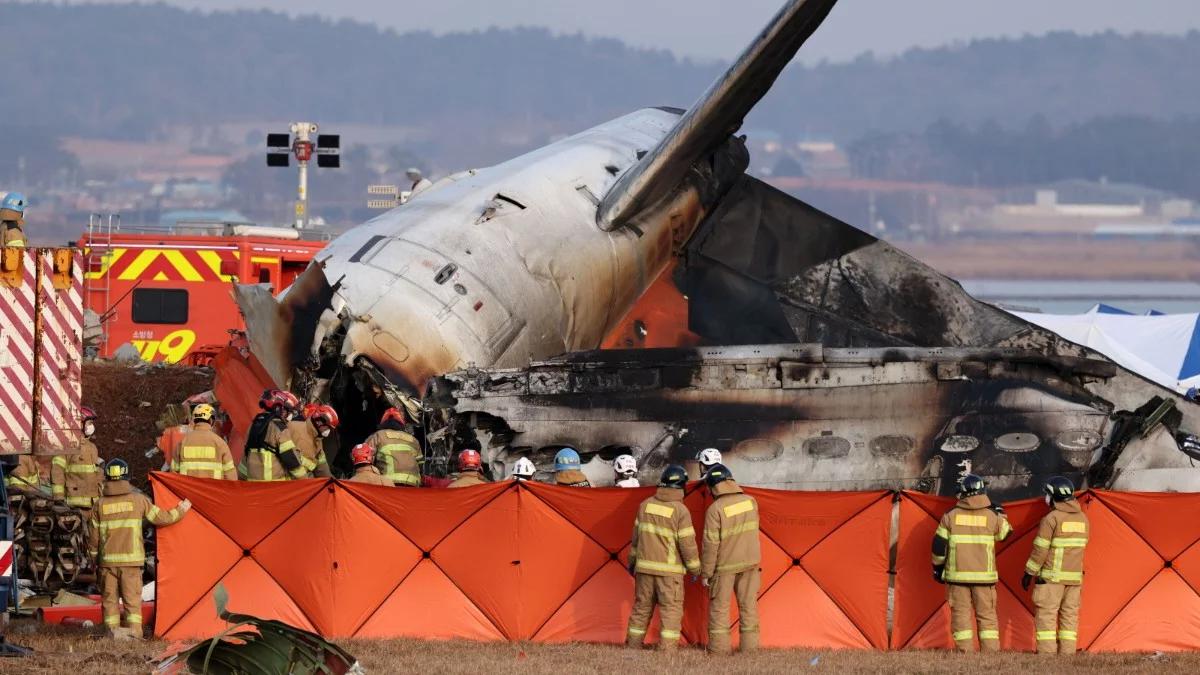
(799, 416)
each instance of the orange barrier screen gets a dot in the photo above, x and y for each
(537, 562)
(505, 561)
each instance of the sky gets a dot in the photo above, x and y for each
(718, 29)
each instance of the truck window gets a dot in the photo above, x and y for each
(160, 305)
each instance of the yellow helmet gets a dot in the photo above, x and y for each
(203, 412)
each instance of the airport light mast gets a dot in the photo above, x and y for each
(327, 148)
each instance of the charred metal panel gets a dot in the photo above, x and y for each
(805, 417)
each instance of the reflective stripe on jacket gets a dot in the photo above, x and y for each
(310, 448)
(664, 541)
(76, 479)
(267, 463)
(115, 536)
(204, 454)
(730, 532)
(26, 475)
(397, 455)
(969, 533)
(1057, 555)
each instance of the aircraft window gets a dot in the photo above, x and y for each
(959, 443)
(827, 447)
(892, 446)
(365, 247)
(160, 305)
(1018, 442)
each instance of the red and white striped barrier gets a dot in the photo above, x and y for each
(41, 334)
(61, 314)
(6, 560)
(17, 329)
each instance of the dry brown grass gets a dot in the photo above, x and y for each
(64, 650)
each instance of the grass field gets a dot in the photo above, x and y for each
(77, 652)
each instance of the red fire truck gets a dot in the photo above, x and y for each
(168, 292)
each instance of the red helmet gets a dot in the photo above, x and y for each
(468, 460)
(309, 410)
(86, 413)
(322, 415)
(393, 414)
(362, 454)
(273, 399)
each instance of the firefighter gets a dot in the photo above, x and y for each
(202, 452)
(1059, 575)
(308, 432)
(708, 458)
(470, 470)
(115, 542)
(25, 476)
(76, 478)
(568, 470)
(363, 458)
(663, 548)
(729, 565)
(523, 470)
(12, 220)
(964, 558)
(270, 453)
(625, 468)
(397, 453)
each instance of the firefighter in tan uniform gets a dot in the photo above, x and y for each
(568, 469)
(397, 453)
(1056, 562)
(76, 478)
(964, 558)
(663, 548)
(309, 433)
(25, 476)
(115, 541)
(202, 452)
(12, 220)
(271, 454)
(470, 470)
(729, 563)
(363, 458)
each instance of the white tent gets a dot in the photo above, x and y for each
(1164, 348)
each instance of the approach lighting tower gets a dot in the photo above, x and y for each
(327, 148)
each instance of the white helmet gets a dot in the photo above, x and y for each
(709, 457)
(625, 465)
(523, 469)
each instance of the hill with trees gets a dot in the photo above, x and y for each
(127, 71)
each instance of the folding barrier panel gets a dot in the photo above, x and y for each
(505, 561)
(921, 618)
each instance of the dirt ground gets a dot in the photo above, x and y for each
(129, 398)
(64, 650)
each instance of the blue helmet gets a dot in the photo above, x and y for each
(14, 201)
(566, 460)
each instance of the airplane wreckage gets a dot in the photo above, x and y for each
(813, 355)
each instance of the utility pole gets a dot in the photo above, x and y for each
(328, 149)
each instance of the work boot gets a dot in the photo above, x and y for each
(749, 642)
(633, 641)
(120, 633)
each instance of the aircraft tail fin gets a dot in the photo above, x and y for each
(715, 115)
